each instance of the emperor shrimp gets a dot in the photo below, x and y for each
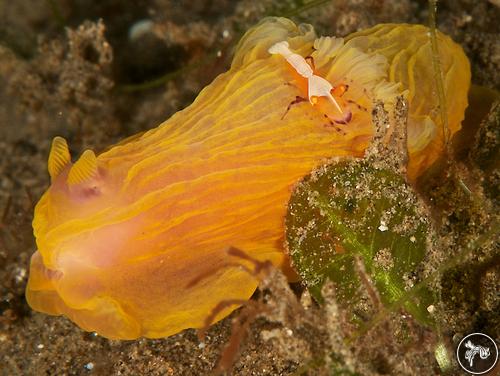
(317, 86)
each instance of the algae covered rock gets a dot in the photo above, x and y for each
(359, 224)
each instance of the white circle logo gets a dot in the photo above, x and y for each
(477, 353)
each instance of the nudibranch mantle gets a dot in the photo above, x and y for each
(122, 235)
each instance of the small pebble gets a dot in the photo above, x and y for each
(383, 226)
(140, 28)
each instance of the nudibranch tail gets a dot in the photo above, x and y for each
(408, 54)
(59, 157)
(84, 168)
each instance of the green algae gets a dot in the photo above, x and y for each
(363, 228)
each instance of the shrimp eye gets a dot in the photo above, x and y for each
(338, 91)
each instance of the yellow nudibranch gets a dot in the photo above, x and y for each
(122, 235)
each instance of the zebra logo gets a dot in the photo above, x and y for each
(477, 353)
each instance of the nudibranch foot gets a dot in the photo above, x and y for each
(257, 269)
